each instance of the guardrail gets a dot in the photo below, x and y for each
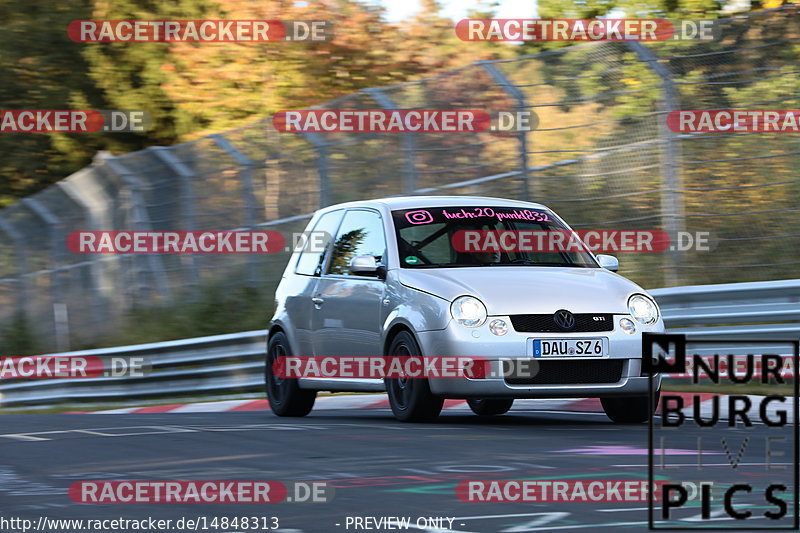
(235, 362)
(220, 363)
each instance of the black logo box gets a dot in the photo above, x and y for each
(652, 367)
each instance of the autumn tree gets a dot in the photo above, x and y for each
(42, 69)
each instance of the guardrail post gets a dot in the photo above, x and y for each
(56, 245)
(249, 214)
(672, 213)
(409, 144)
(321, 147)
(517, 95)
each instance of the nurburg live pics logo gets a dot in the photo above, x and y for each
(741, 453)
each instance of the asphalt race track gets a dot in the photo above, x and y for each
(378, 466)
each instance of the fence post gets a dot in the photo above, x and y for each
(187, 207)
(185, 174)
(92, 209)
(501, 80)
(56, 245)
(321, 146)
(272, 173)
(672, 211)
(409, 144)
(141, 220)
(249, 214)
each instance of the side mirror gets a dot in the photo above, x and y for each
(609, 262)
(365, 265)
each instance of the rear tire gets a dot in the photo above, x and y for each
(411, 399)
(284, 395)
(630, 409)
(490, 406)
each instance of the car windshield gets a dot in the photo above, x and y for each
(434, 238)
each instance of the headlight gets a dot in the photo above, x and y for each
(643, 309)
(468, 311)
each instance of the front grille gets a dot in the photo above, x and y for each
(584, 323)
(569, 372)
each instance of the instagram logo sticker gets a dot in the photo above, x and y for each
(420, 216)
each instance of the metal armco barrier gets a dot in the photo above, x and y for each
(203, 365)
(235, 362)
(758, 310)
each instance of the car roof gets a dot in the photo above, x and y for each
(412, 202)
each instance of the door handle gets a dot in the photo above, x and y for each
(317, 302)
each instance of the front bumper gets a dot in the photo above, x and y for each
(480, 342)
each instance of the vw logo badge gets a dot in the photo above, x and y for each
(564, 319)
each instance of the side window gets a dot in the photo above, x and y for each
(313, 255)
(361, 233)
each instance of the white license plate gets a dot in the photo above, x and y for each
(569, 347)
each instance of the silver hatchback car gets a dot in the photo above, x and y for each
(391, 281)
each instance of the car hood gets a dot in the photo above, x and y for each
(508, 290)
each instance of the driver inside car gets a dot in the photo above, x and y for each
(484, 257)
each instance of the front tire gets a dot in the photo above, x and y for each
(630, 409)
(284, 395)
(411, 399)
(490, 407)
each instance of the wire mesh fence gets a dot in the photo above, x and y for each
(601, 156)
